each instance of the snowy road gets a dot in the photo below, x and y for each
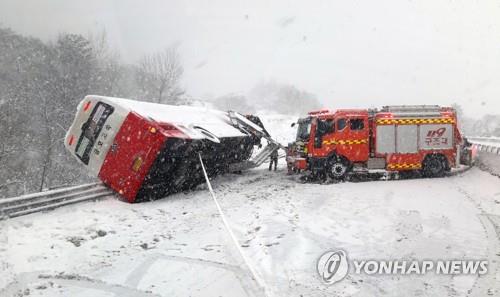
(178, 247)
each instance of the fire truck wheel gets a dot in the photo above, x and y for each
(338, 168)
(434, 166)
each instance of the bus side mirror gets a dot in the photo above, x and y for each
(292, 125)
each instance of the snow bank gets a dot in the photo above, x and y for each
(489, 161)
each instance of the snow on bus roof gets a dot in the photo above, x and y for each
(185, 117)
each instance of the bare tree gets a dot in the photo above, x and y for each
(108, 70)
(158, 75)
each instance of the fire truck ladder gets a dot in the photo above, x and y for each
(244, 124)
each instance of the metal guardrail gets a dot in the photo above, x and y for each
(487, 153)
(485, 139)
(486, 144)
(48, 200)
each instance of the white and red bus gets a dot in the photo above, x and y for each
(146, 151)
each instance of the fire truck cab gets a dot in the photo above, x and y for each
(393, 138)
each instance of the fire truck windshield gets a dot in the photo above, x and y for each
(304, 129)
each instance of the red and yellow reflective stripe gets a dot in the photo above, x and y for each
(415, 121)
(404, 166)
(346, 141)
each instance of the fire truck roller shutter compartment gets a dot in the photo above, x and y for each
(386, 139)
(406, 139)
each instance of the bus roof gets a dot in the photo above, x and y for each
(215, 121)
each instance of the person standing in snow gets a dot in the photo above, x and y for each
(274, 159)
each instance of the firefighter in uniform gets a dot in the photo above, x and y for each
(274, 159)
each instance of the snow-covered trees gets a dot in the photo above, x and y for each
(40, 87)
(234, 102)
(488, 125)
(278, 97)
(283, 98)
(25, 78)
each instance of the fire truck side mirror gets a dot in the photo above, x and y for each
(317, 141)
(293, 124)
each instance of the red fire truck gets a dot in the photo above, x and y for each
(391, 139)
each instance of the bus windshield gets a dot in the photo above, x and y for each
(304, 129)
(91, 130)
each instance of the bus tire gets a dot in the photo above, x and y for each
(434, 166)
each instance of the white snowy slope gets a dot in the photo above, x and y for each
(178, 246)
(279, 126)
(489, 161)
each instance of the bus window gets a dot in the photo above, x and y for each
(91, 130)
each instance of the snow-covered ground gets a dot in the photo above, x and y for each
(490, 162)
(178, 246)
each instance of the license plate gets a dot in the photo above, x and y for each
(83, 146)
(98, 113)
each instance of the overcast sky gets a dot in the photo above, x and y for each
(358, 53)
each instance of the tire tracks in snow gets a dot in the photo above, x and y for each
(23, 280)
(486, 285)
(246, 281)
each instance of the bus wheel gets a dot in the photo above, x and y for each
(434, 166)
(338, 168)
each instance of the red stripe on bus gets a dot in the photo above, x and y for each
(86, 106)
